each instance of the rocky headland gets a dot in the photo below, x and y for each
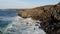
(49, 15)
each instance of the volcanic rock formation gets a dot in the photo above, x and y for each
(49, 15)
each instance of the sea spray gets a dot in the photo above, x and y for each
(23, 26)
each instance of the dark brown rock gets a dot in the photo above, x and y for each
(49, 15)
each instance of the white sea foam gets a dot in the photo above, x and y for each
(3, 18)
(23, 26)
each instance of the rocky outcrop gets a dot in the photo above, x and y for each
(49, 15)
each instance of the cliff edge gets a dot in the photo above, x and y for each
(49, 15)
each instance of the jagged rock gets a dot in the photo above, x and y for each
(49, 15)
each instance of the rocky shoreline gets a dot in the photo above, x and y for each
(49, 15)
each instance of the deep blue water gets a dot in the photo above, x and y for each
(5, 15)
(8, 13)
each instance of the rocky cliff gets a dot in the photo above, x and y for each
(49, 15)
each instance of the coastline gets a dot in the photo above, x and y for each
(49, 15)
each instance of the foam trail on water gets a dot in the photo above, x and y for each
(23, 26)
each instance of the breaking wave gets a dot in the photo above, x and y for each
(22, 26)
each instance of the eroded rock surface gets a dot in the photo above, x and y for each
(49, 15)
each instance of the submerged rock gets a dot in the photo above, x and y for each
(1, 32)
(49, 15)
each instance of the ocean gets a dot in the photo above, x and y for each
(11, 23)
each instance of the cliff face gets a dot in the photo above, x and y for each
(49, 15)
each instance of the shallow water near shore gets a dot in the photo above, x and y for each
(10, 23)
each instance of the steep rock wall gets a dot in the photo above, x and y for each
(49, 15)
